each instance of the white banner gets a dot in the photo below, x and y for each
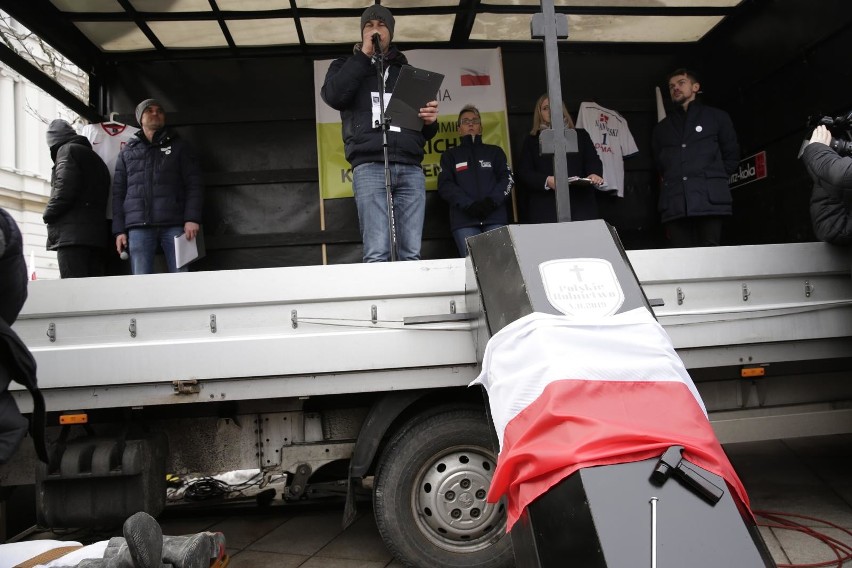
(471, 76)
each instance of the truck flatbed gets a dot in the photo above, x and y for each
(766, 331)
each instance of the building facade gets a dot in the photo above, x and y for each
(25, 163)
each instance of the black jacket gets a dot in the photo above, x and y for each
(538, 204)
(79, 187)
(831, 199)
(348, 86)
(156, 183)
(696, 152)
(16, 362)
(473, 172)
(13, 269)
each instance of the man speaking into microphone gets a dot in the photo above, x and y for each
(352, 87)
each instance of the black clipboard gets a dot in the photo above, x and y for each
(414, 88)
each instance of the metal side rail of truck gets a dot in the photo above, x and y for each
(334, 374)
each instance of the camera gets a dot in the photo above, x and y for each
(838, 126)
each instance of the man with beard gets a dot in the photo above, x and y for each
(696, 151)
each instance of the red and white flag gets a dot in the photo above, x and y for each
(568, 393)
(31, 267)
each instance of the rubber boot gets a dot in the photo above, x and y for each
(144, 541)
(191, 551)
(114, 545)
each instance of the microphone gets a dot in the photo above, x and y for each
(377, 43)
(124, 255)
(377, 48)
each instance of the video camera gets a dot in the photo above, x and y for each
(838, 126)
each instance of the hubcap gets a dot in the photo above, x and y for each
(450, 500)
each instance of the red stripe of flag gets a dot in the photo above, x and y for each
(468, 80)
(580, 423)
(566, 394)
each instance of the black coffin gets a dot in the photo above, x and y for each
(503, 276)
(600, 516)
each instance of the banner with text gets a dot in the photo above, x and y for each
(471, 76)
(750, 169)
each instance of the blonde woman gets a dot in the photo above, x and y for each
(535, 172)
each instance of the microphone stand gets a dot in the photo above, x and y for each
(378, 60)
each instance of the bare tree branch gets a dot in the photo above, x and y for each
(44, 57)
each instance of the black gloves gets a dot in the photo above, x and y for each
(481, 209)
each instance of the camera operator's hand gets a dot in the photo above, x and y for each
(821, 135)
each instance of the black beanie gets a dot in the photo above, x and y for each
(378, 12)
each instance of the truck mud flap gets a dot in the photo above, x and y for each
(95, 482)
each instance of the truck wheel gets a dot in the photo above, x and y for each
(429, 494)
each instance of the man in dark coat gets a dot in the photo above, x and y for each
(696, 151)
(831, 199)
(157, 192)
(79, 188)
(351, 87)
(475, 181)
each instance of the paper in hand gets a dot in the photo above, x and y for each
(186, 250)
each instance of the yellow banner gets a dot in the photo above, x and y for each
(471, 76)
(336, 175)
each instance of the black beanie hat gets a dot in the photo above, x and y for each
(378, 12)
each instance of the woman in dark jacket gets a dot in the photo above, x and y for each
(535, 172)
(75, 214)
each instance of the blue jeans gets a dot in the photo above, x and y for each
(143, 243)
(408, 188)
(461, 235)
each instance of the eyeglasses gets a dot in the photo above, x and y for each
(469, 121)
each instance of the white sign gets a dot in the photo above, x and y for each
(581, 287)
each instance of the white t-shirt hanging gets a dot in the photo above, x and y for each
(107, 141)
(612, 139)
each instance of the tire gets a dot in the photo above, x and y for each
(429, 494)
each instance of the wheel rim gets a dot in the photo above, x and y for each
(449, 500)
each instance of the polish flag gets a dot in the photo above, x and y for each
(461, 166)
(32, 267)
(572, 393)
(474, 78)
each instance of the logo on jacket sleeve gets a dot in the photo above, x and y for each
(166, 150)
(484, 164)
